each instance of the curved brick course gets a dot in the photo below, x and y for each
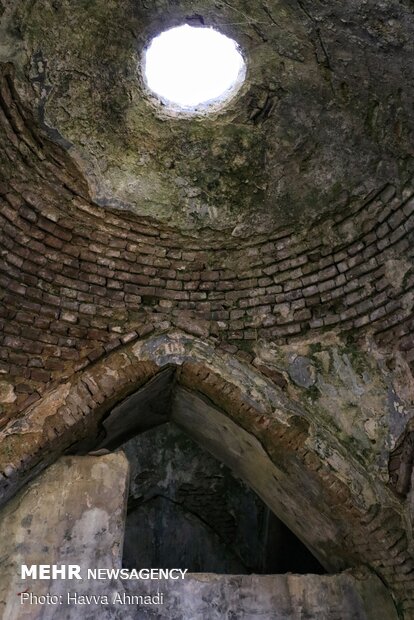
(78, 280)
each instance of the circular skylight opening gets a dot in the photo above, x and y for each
(193, 69)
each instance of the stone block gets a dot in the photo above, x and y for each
(72, 514)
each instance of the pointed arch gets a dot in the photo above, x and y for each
(242, 418)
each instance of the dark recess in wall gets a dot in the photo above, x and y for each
(187, 510)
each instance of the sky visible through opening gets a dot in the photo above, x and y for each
(190, 66)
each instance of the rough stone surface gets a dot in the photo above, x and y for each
(302, 372)
(279, 440)
(274, 597)
(324, 103)
(73, 513)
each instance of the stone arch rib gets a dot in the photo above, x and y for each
(272, 435)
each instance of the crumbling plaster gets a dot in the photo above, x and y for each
(261, 257)
(76, 510)
(321, 122)
(286, 445)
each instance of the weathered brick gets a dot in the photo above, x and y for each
(37, 374)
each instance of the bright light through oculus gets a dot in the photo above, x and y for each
(189, 66)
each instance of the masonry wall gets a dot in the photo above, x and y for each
(78, 281)
(93, 515)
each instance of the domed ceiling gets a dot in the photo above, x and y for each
(323, 119)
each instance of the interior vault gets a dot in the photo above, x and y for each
(246, 275)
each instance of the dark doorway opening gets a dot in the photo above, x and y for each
(186, 509)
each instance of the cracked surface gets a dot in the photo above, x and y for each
(117, 223)
(324, 118)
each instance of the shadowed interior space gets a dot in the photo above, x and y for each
(187, 509)
(191, 502)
